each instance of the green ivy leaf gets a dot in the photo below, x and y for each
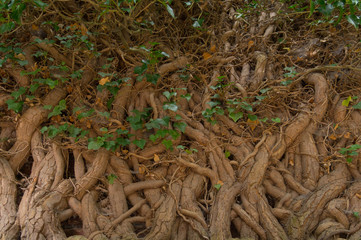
(260, 98)
(276, 120)
(264, 90)
(95, 144)
(7, 27)
(346, 102)
(174, 134)
(48, 81)
(263, 119)
(40, 4)
(287, 82)
(170, 106)
(235, 116)
(140, 69)
(123, 141)
(104, 114)
(34, 87)
(181, 126)
(14, 105)
(187, 96)
(357, 106)
(181, 147)
(18, 93)
(170, 11)
(252, 117)
(74, 131)
(121, 131)
(217, 186)
(152, 78)
(16, 13)
(140, 143)
(354, 147)
(57, 109)
(355, 21)
(43, 130)
(168, 144)
(227, 154)
(153, 138)
(86, 114)
(246, 106)
(111, 178)
(213, 103)
(110, 145)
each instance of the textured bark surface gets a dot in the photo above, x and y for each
(230, 120)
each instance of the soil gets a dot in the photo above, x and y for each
(215, 124)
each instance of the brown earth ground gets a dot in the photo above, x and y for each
(240, 126)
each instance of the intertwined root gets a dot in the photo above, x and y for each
(246, 178)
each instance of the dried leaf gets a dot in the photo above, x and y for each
(34, 27)
(88, 124)
(69, 89)
(56, 118)
(358, 195)
(156, 158)
(252, 124)
(347, 135)
(213, 49)
(104, 81)
(291, 162)
(206, 56)
(336, 126)
(20, 56)
(84, 30)
(142, 169)
(250, 44)
(98, 101)
(332, 137)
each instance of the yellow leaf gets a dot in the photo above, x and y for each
(336, 126)
(347, 135)
(84, 30)
(104, 81)
(69, 89)
(358, 195)
(252, 124)
(332, 137)
(20, 56)
(125, 151)
(98, 101)
(88, 124)
(34, 27)
(156, 158)
(142, 169)
(250, 44)
(213, 49)
(206, 56)
(56, 118)
(220, 182)
(291, 162)
(74, 27)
